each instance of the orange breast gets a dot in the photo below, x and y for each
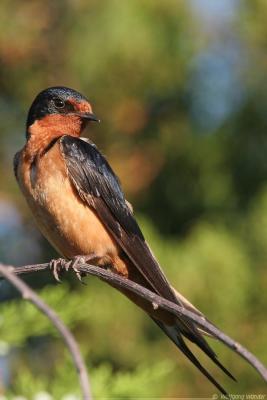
(69, 224)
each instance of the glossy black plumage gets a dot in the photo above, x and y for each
(44, 104)
(94, 176)
(97, 185)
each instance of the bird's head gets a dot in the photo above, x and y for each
(60, 111)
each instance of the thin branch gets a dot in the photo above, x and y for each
(157, 302)
(28, 294)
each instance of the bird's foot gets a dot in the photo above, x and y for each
(57, 266)
(75, 261)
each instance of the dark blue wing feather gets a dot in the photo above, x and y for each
(97, 185)
(94, 176)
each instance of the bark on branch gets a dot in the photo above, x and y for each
(9, 273)
(157, 302)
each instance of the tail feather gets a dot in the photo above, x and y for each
(201, 343)
(204, 346)
(190, 307)
(174, 334)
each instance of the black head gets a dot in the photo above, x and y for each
(58, 100)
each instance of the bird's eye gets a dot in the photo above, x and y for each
(59, 103)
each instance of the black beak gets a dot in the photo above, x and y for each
(88, 116)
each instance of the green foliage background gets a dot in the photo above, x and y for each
(191, 156)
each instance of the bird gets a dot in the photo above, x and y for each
(79, 206)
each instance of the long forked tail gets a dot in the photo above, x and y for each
(173, 332)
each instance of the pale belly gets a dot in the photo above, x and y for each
(68, 223)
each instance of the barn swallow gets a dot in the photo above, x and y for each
(79, 206)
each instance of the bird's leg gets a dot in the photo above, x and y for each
(79, 260)
(57, 265)
(60, 264)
